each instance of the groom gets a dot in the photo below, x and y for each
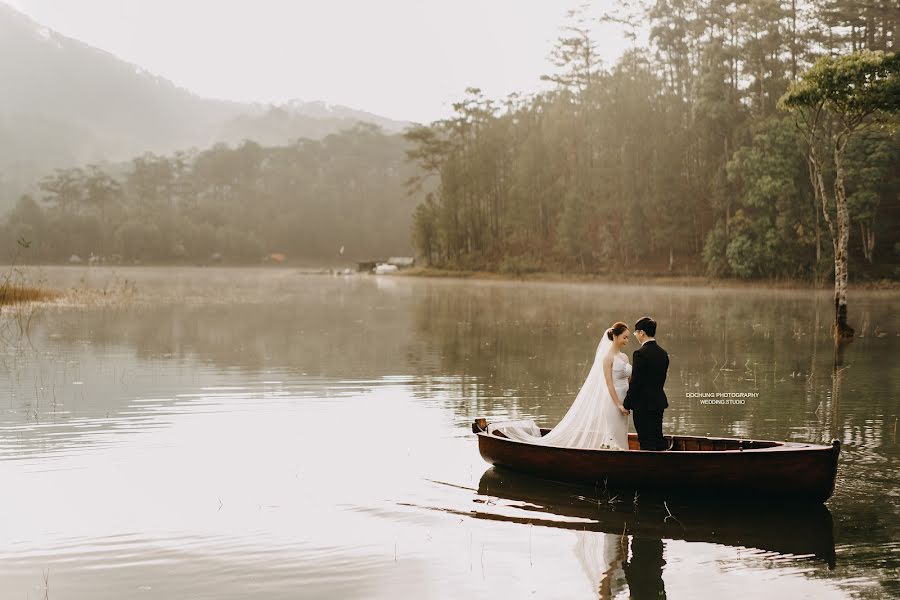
(646, 398)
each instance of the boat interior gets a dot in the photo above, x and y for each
(679, 442)
(676, 442)
(694, 444)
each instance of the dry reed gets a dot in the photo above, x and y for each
(20, 294)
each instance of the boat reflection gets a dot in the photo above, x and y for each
(800, 532)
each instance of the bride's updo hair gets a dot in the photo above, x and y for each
(616, 330)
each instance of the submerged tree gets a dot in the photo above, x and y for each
(836, 98)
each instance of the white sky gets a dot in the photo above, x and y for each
(405, 59)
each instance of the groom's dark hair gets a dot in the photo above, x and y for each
(647, 325)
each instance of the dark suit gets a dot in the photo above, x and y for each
(645, 398)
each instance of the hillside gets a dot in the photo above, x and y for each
(65, 102)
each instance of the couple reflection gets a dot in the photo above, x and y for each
(621, 548)
(617, 565)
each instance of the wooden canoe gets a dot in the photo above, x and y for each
(735, 468)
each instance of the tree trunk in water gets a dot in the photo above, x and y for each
(841, 329)
(841, 248)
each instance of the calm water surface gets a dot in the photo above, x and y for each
(234, 433)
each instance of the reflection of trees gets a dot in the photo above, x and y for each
(504, 349)
(837, 382)
(498, 348)
(91, 363)
(524, 349)
(334, 331)
(514, 350)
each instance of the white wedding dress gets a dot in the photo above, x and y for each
(593, 421)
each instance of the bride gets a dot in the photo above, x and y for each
(597, 418)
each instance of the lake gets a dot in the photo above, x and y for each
(231, 433)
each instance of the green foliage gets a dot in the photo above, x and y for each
(872, 158)
(852, 86)
(842, 105)
(714, 252)
(675, 156)
(772, 233)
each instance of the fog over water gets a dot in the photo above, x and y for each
(217, 433)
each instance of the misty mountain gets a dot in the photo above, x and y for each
(275, 125)
(65, 102)
(106, 107)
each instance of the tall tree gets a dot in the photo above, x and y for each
(832, 101)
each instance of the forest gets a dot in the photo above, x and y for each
(342, 198)
(677, 158)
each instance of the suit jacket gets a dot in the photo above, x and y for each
(649, 367)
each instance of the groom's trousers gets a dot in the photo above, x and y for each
(648, 424)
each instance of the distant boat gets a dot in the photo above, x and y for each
(401, 262)
(381, 267)
(384, 269)
(692, 466)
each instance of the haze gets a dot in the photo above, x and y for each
(405, 59)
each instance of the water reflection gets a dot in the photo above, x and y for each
(602, 557)
(225, 433)
(643, 570)
(793, 531)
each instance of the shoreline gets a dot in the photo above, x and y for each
(647, 279)
(618, 278)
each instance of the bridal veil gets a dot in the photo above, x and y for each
(583, 426)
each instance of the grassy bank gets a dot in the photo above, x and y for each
(635, 278)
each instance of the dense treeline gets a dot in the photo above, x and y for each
(677, 157)
(342, 196)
